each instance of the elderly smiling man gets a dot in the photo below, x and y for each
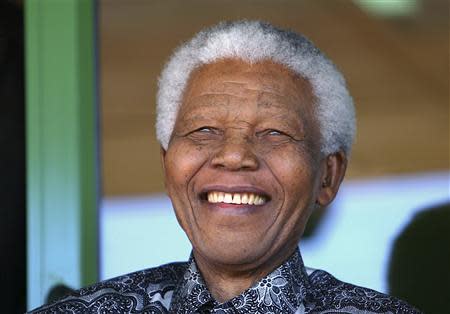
(255, 125)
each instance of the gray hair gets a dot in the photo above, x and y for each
(253, 41)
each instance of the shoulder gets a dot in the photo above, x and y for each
(328, 293)
(150, 289)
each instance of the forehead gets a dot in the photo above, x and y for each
(255, 94)
(259, 95)
(242, 79)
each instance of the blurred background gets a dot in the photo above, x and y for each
(394, 55)
(389, 227)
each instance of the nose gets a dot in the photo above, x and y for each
(235, 155)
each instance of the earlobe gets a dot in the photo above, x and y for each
(332, 176)
(162, 155)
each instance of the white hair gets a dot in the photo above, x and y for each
(254, 41)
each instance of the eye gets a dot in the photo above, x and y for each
(204, 133)
(274, 136)
(274, 132)
(206, 130)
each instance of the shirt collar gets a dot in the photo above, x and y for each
(283, 289)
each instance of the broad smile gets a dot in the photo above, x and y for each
(236, 198)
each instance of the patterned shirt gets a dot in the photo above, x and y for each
(179, 288)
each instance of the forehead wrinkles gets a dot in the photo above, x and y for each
(245, 84)
(231, 83)
(228, 93)
(218, 111)
(265, 75)
(238, 89)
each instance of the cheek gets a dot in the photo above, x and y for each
(182, 162)
(291, 167)
(295, 172)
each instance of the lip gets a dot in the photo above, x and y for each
(235, 209)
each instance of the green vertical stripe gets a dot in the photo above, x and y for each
(61, 145)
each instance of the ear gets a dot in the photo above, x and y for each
(333, 172)
(162, 155)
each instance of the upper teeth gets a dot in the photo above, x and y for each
(236, 198)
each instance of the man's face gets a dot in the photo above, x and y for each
(243, 164)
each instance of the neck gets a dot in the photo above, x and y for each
(224, 282)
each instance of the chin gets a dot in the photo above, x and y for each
(234, 251)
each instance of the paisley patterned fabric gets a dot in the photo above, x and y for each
(179, 288)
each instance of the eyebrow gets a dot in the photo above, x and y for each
(286, 120)
(281, 118)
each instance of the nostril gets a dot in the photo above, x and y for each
(235, 157)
